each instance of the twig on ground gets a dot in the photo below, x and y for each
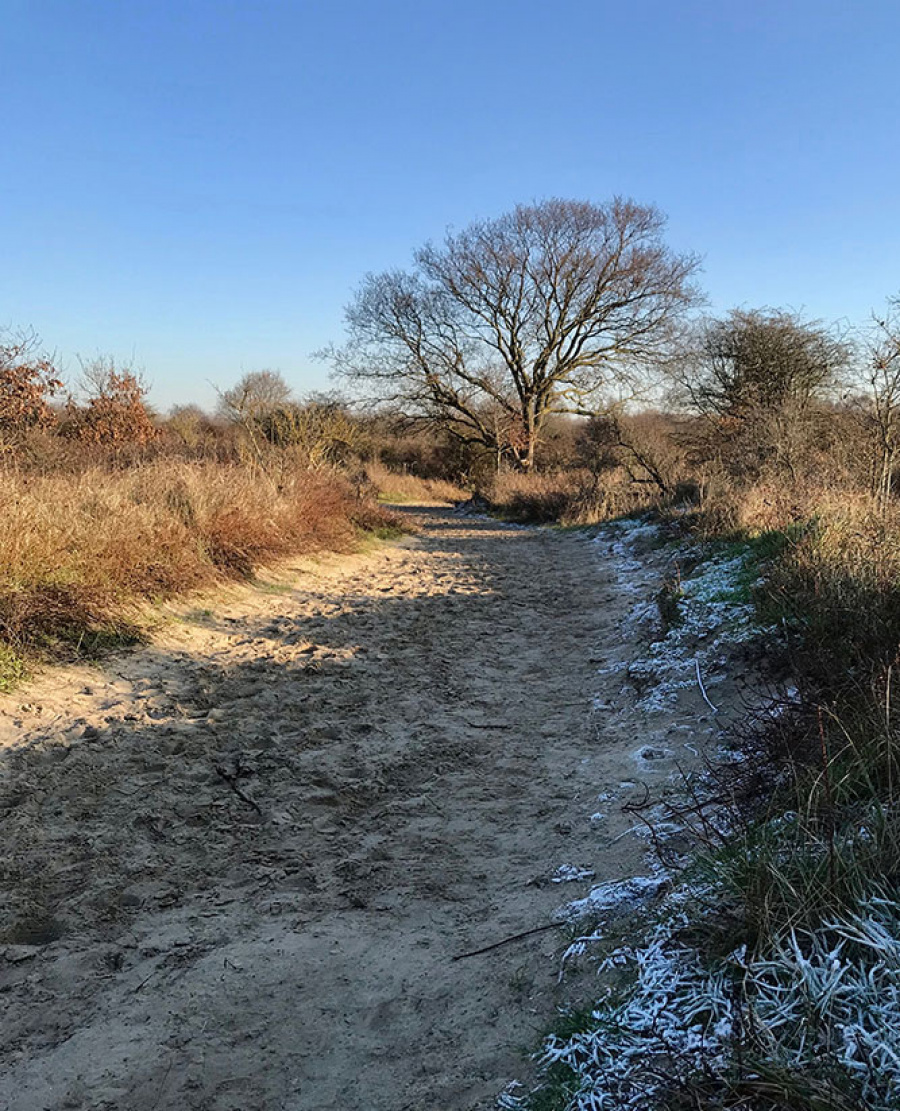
(145, 980)
(163, 1083)
(242, 795)
(628, 807)
(506, 941)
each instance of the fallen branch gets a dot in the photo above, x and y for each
(506, 941)
(242, 795)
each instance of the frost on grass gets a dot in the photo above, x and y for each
(619, 894)
(822, 1008)
(712, 618)
(569, 873)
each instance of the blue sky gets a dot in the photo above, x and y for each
(201, 185)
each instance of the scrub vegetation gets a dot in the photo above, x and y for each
(552, 367)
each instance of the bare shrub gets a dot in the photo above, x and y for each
(321, 431)
(646, 445)
(579, 497)
(400, 486)
(879, 409)
(760, 379)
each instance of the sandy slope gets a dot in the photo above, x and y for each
(412, 738)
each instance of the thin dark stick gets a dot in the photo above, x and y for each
(230, 780)
(146, 979)
(506, 940)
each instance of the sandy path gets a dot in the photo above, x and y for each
(412, 736)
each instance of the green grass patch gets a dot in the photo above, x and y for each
(393, 497)
(272, 588)
(370, 538)
(13, 668)
(757, 552)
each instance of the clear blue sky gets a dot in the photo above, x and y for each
(200, 185)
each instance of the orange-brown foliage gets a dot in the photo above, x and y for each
(27, 381)
(115, 415)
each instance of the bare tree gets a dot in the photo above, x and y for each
(881, 407)
(514, 319)
(259, 392)
(757, 376)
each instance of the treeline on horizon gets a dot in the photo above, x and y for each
(755, 393)
(556, 362)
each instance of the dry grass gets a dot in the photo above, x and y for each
(835, 583)
(393, 486)
(79, 552)
(577, 497)
(825, 832)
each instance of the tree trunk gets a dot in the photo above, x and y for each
(531, 434)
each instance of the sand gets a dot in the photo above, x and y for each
(237, 863)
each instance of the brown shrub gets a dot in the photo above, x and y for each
(115, 414)
(28, 380)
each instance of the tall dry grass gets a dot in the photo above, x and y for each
(401, 486)
(80, 551)
(573, 497)
(819, 833)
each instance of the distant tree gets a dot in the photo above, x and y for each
(880, 408)
(256, 394)
(514, 319)
(28, 379)
(114, 413)
(759, 376)
(191, 428)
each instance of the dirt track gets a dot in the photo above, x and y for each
(237, 864)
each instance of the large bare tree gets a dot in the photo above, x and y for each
(513, 319)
